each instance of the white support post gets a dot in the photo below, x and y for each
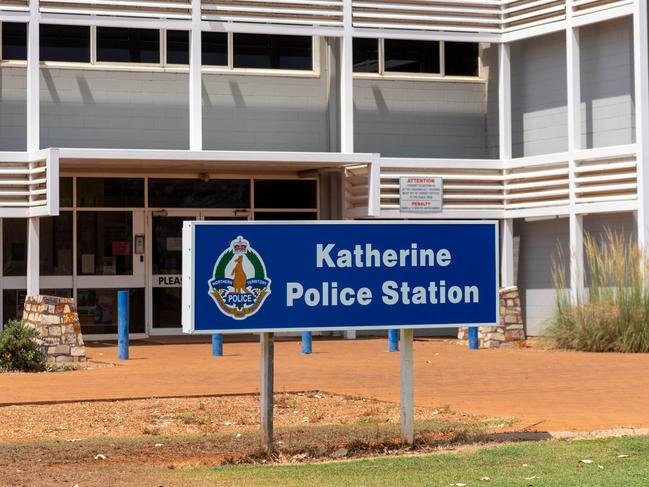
(574, 89)
(195, 80)
(641, 79)
(33, 75)
(505, 154)
(33, 138)
(266, 386)
(504, 101)
(576, 222)
(346, 93)
(33, 254)
(507, 253)
(407, 388)
(346, 74)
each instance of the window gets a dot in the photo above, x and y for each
(366, 55)
(56, 245)
(71, 43)
(293, 193)
(14, 246)
(14, 41)
(177, 47)
(406, 56)
(104, 243)
(65, 192)
(214, 49)
(196, 193)
(13, 301)
(272, 51)
(461, 59)
(121, 45)
(97, 310)
(411, 57)
(65, 43)
(167, 312)
(110, 192)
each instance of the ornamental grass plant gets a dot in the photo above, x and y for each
(612, 315)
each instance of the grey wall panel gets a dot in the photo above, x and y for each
(114, 109)
(539, 243)
(607, 87)
(539, 96)
(597, 224)
(265, 113)
(420, 118)
(13, 109)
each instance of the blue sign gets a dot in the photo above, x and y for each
(279, 276)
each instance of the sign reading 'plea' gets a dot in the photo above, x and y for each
(276, 276)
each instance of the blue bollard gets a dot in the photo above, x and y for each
(217, 345)
(307, 342)
(122, 325)
(393, 340)
(473, 338)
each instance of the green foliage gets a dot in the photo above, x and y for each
(613, 315)
(19, 350)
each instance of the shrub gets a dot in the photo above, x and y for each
(19, 349)
(613, 315)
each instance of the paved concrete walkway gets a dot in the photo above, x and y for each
(546, 390)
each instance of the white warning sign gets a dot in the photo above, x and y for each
(420, 194)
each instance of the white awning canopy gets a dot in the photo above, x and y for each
(29, 181)
(203, 162)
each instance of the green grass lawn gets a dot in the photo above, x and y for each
(550, 463)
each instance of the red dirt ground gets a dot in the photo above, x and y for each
(546, 390)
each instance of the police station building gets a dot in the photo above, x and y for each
(119, 120)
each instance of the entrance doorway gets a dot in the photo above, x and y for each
(165, 282)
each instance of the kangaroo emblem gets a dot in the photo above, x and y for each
(240, 278)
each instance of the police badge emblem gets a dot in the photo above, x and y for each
(239, 283)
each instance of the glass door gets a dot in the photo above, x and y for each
(166, 270)
(166, 265)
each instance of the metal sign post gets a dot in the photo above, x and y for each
(407, 388)
(266, 378)
(269, 277)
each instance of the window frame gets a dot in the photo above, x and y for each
(90, 44)
(230, 69)
(12, 61)
(441, 76)
(93, 48)
(164, 66)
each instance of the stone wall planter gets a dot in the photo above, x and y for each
(510, 332)
(56, 320)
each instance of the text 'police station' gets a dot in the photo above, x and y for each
(392, 292)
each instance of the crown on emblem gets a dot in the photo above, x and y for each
(240, 246)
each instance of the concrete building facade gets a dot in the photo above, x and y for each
(119, 120)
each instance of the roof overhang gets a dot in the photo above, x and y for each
(169, 162)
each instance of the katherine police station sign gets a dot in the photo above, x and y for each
(298, 276)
